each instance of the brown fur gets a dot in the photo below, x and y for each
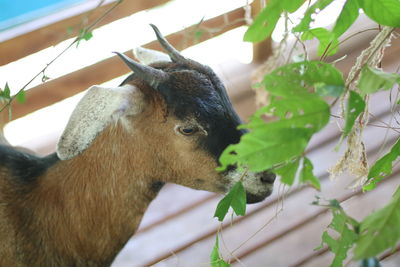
(82, 211)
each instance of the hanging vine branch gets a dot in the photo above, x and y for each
(84, 34)
(296, 94)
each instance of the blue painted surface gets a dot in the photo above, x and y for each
(16, 12)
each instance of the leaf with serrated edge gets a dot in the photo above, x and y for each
(345, 227)
(236, 198)
(288, 172)
(307, 175)
(380, 230)
(215, 257)
(373, 80)
(289, 80)
(307, 19)
(261, 150)
(300, 114)
(6, 92)
(328, 43)
(382, 167)
(239, 199)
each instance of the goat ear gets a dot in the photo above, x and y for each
(100, 107)
(149, 56)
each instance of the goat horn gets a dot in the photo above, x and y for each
(146, 73)
(171, 51)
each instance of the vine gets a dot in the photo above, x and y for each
(297, 100)
(85, 33)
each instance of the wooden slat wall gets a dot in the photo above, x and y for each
(53, 34)
(60, 88)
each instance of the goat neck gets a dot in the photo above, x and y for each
(85, 212)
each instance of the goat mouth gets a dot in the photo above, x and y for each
(252, 198)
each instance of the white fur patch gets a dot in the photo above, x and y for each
(251, 182)
(149, 56)
(96, 110)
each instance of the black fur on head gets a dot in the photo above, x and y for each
(191, 91)
(195, 92)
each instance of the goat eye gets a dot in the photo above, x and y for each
(188, 130)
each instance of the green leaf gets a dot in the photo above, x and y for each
(385, 12)
(300, 114)
(288, 172)
(261, 150)
(264, 23)
(236, 198)
(215, 257)
(84, 35)
(346, 17)
(87, 35)
(297, 112)
(20, 96)
(307, 175)
(282, 80)
(373, 80)
(323, 89)
(380, 230)
(346, 229)
(5, 93)
(355, 105)
(291, 5)
(382, 167)
(304, 24)
(328, 43)
(198, 34)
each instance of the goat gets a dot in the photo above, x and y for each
(169, 121)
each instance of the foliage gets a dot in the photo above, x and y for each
(346, 17)
(307, 175)
(380, 230)
(215, 257)
(264, 24)
(20, 96)
(355, 105)
(347, 230)
(373, 80)
(297, 100)
(384, 12)
(236, 198)
(84, 34)
(328, 43)
(382, 167)
(5, 94)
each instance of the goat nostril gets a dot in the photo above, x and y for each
(231, 167)
(268, 177)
